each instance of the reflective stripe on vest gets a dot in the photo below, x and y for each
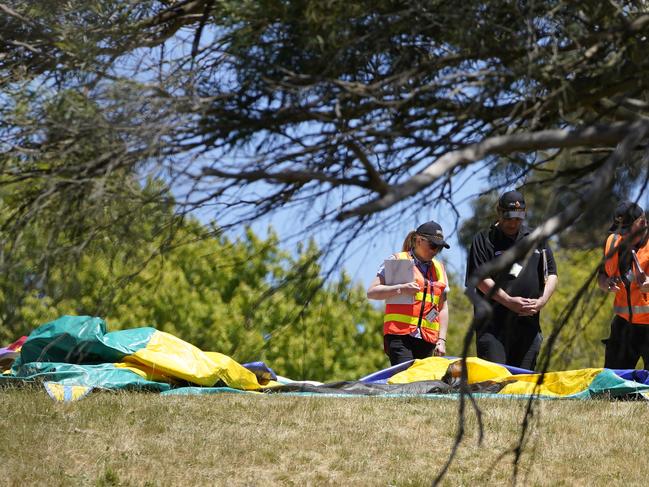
(411, 320)
(434, 299)
(633, 307)
(637, 310)
(403, 319)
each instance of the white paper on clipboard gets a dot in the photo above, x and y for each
(399, 271)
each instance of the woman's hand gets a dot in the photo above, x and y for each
(380, 290)
(440, 348)
(409, 288)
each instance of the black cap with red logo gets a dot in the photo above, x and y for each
(512, 205)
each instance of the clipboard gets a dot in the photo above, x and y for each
(399, 271)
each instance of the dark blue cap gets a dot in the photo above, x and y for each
(433, 232)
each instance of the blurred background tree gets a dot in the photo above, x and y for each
(122, 119)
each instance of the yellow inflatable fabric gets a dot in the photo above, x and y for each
(167, 357)
(146, 372)
(65, 393)
(236, 375)
(435, 368)
(554, 384)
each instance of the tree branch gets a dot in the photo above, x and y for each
(285, 177)
(546, 139)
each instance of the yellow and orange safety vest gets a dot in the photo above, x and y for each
(404, 319)
(632, 306)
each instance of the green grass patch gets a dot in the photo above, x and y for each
(111, 439)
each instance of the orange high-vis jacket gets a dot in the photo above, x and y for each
(403, 319)
(633, 305)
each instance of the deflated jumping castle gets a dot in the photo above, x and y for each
(75, 355)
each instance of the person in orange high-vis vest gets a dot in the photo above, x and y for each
(415, 327)
(625, 272)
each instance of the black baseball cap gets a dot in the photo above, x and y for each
(625, 214)
(512, 204)
(433, 232)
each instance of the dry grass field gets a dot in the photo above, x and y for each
(237, 439)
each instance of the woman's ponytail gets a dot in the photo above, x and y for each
(409, 242)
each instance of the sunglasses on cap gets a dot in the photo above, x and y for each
(432, 245)
(512, 215)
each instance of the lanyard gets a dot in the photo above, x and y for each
(423, 305)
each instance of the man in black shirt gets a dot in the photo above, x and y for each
(512, 335)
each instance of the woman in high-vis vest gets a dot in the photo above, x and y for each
(416, 311)
(625, 272)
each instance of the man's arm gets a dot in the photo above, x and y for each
(537, 304)
(479, 253)
(606, 283)
(516, 304)
(548, 290)
(550, 281)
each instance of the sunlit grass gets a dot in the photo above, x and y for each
(147, 439)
